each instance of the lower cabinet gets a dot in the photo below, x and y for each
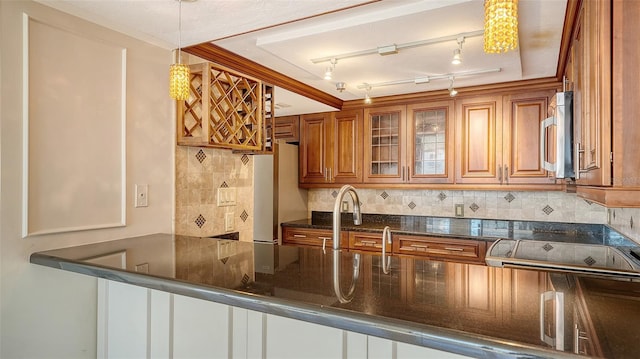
(465, 250)
(312, 237)
(136, 322)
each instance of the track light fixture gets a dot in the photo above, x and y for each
(341, 86)
(452, 92)
(328, 74)
(457, 57)
(367, 97)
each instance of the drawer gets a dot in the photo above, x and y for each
(367, 242)
(312, 237)
(440, 248)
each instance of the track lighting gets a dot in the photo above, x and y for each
(341, 86)
(457, 57)
(367, 97)
(452, 92)
(328, 73)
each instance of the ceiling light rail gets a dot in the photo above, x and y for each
(394, 48)
(427, 79)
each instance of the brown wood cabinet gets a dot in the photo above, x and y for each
(367, 242)
(331, 147)
(603, 70)
(409, 144)
(497, 139)
(287, 128)
(464, 250)
(312, 237)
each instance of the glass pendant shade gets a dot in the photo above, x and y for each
(500, 26)
(179, 82)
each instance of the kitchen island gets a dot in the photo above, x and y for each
(164, 295)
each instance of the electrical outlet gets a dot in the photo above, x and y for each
(228, 222)
(142, 195)
(226, 197)
(459, 210)
(345, 206)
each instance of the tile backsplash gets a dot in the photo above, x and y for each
(549, 206)
(199, 174)
(626, 221)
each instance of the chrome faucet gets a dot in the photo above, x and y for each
(357, 216)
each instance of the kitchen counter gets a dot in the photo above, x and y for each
(468, 228)
(469, 309)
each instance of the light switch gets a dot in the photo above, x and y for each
(226, 197)
(459, 210)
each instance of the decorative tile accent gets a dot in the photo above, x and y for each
(509, 197)
(614, 214)
(224, 260)
(588, 202)
(412, 205)
(200, 221)
(244, 216)
(201, 156)
(442, 196)
(474, 207)
(547, 210)
(631, 222)
(244, 159)
(589, 261)
(224, 185)
(334, 194)
(384, 195)
(245, 279)
(547, 247)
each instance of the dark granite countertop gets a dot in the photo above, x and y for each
(469, 228)
(468, 309)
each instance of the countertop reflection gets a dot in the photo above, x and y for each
(473, 303)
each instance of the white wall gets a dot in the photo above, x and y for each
(47, 313)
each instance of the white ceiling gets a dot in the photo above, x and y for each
(289, 47)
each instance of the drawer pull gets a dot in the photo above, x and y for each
(419, 246)
(325, 238)
(299, 236)
(368, 243)
(454, 249)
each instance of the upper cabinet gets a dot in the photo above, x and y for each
(409, 144)
(331, 147)
(603, 70)
(497, 139)
(225, 109)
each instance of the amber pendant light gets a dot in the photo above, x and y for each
(500, 26)
(179, 73)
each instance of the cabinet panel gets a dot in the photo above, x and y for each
(287, 128)
(430, 140)
(314, 137)
(384, 152)
(478, 132)
(347, 147)
(478, 293)
(440, 248)
(522, 117)
(367, 242)
(312, 237)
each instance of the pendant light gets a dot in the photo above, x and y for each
(179, 74)
(500, 26)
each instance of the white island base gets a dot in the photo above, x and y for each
(136, 322)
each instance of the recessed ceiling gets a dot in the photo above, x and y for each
(288, 46)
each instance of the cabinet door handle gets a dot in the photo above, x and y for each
(419, 246)
(454, 249)
(500, 173)
(330, 174)
(402, 173)
(506, 174)
(299, 236)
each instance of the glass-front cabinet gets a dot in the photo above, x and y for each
(430, 142)
(409, 144)
(385, 144)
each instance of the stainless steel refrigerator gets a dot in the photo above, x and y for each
(276, 195)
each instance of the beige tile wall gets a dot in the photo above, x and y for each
(626, 221)
(199, 174)
(522, 205)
